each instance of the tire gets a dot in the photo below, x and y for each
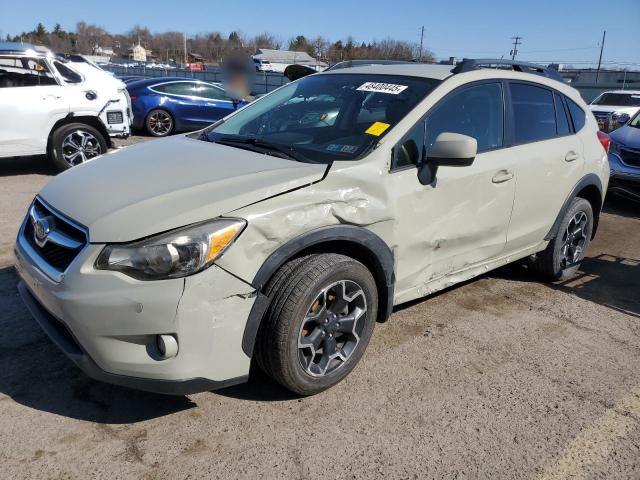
(74, 144)
(562, 257)
(159, 123)
(304, 345)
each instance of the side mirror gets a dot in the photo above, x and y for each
(448, 150)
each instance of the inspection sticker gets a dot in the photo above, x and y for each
(377, 128)
(391, 88)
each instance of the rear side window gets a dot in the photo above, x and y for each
(476, 111)
(209, 91)
(533, 112)
(577, 114)
(564, 126)
(66, 73)
(176, 88)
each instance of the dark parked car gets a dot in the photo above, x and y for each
(624, 159)
(162, 106)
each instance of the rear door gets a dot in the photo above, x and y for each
(549, 159)
(31, 101)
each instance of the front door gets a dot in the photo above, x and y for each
(461, 219)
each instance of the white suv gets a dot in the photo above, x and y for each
(286, 230)
(51, 106)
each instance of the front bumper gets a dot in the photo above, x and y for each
(108, 323)
(624, 179)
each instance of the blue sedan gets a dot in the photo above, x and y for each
(624, 159)
(162, 106)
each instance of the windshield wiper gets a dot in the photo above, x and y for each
(288, 152)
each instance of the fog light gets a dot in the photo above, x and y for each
(167, 346)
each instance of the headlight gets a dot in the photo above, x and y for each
(174, 254)
(614, 147)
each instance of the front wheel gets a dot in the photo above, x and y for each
(322, 314)
(74, 144)
(564, 254)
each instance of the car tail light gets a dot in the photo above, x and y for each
(605, 140)
(132, 97)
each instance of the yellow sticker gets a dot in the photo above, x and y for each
(377, 128)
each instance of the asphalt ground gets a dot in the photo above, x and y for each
(500, 377)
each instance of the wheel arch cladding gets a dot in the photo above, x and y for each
(94, 122)
(354, 241)
(590, 188)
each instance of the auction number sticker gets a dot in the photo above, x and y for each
(378, 87)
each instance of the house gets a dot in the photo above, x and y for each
(281, 59)
(138, 53)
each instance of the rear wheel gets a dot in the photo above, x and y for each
(159, 123)
(74, 144)
(562, 257)
(322, 314)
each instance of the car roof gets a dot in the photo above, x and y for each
(23, 48)
(630, 92)
(437, 72)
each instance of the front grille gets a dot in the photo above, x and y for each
(64, 240)
(114, 117)
(601, 115)
(630, 157)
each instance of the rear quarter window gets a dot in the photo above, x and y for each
(577, 114)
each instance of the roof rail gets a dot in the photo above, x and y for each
(469, 64)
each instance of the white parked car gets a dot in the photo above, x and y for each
(615, 108)
(49, 105)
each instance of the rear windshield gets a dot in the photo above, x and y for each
(618, 99)
(327, 117)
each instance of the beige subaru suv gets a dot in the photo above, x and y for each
(284, 232)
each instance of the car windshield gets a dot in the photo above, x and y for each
(327, 117)
(618, 99)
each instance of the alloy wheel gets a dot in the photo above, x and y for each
(574, 240)
(80, 146)
(160, 123)
(331, 328)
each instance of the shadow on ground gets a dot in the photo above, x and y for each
(38, 165)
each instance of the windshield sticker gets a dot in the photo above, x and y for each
(391, 88)
(377, 128)
(334, 147)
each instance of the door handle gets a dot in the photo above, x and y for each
(502, 176)
(571, 156)
(52, 97)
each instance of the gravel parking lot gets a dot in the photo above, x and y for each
(501, 377)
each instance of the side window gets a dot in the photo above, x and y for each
(409, 151)
(476, 111)
(209, 91)
(533, 112)
(176, 88)
(24, 72)
(66, 73)
(564, 128)
(577, 114)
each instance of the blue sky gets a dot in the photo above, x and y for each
(561, 30)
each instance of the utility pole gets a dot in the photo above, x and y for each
(516, 42)
(604, 34)
(421, 38)
(186, 58)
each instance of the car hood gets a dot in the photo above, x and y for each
(627, 136)
(614, 108)
(163, 184)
